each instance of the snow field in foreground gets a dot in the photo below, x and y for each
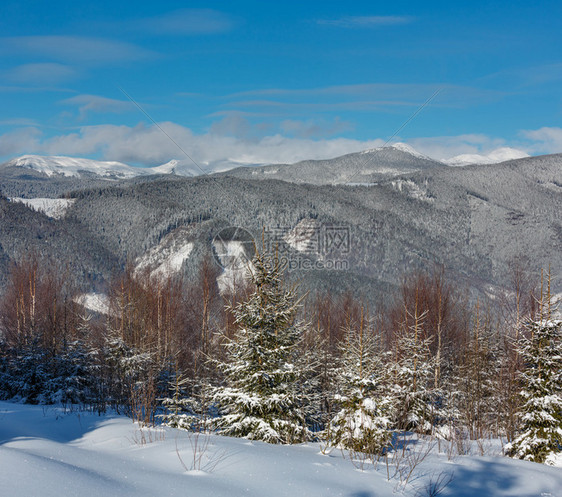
(44, 452)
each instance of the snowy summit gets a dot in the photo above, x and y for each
(499, 155)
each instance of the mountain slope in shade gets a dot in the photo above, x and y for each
(365, 167)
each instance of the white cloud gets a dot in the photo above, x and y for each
(150, 146)
(76, 49)
(365, 21)
(34, 89)
(185, 22)
(501, 154)
(314, 128)
(546, 140)
(19, 141)
(95, 103)
(445, 147)
(528, 76)
(362, 97)
(19, 121)
(234, 142)
(47, 73)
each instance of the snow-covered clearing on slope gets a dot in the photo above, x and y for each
(96, 302)
(174, 261)
(44, 452)
(235, 259)
(52, 207)
(166, 258)
(304, 236)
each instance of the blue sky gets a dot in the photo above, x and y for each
(257, 82)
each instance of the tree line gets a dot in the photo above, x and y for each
(266, 363)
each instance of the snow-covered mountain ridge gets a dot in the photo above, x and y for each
(391, 160)
(77, 167)
(402, 147)
(498, 155)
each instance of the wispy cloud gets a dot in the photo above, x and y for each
(184, 22)
(35, 89)
(524, 77)
(19, 121)
(315, 128)
(148, 145)
(47, 73)
(75, 49)
(445, 147)
(361, 97)
(292, 107)
(383, 90)
(20, 141)
(545, 140)
(97, 104)
(352, 22)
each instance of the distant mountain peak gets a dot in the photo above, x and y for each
(501, 154)
(169, 168)
(402, 147)
(357, 168)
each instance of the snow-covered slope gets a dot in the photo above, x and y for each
(179, 168)
(47, 453)
(167, 258)
(304, 236)
(235, 260)
(96, 302)
(52, 207)
(499, 155)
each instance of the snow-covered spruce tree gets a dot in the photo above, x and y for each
(540, 416)
(264, 394)
(362, 424)
(413, 372)
(476, 382)
(131, 379)
(180, 408)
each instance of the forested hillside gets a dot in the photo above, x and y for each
(478, 222)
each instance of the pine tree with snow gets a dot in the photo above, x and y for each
(264, 396)
(540, 416)
(181, 408)
(363, 422)
(476, 382)
(413, 371)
